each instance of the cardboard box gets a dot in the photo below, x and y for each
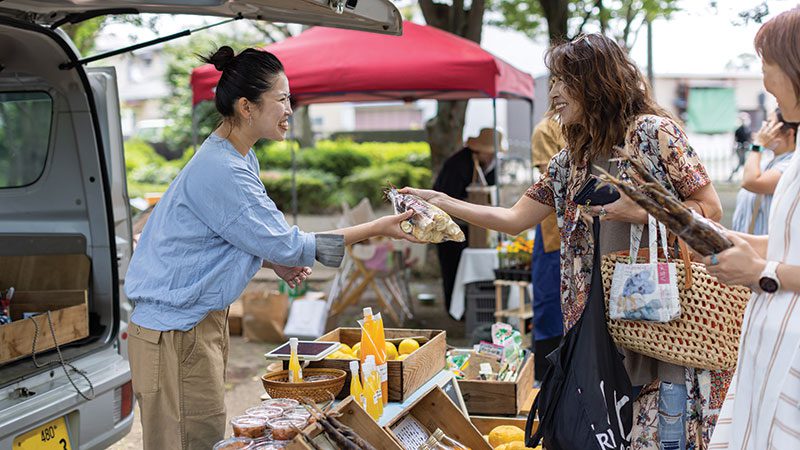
(264, 315)
(499, 397)
(436, 410)
(405, 376)
(353, 416)
(235, 314)
(55, 283)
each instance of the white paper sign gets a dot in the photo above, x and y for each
(410, 432)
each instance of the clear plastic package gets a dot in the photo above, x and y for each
(233, 443)
(299, 412)
(285, 429)
(249, 426)
(282, 403)
(265, 412)
(429, 223)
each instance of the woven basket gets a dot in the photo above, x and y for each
(277, 385)
(706, 335)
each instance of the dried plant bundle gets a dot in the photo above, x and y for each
(429, 223)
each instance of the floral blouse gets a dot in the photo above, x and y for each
(680, 171)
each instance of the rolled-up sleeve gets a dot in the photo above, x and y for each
(330, 249)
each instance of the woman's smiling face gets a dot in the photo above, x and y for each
(564, 105)
(777, 83)
(272, 115)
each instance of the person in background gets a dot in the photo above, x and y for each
(213, 229)
(761, 409)
(548, 329)
(742, 138)
(460, 170)
(770, 156)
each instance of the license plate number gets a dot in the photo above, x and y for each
(50, 436)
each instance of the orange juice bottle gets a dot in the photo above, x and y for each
(373, 393)
(373, 343)
(295, 371)
(355, 385)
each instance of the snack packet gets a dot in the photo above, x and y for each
(429, 223)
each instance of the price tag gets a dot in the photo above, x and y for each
(410, 432)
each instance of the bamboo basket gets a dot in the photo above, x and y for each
(706, 335)
(277, 385)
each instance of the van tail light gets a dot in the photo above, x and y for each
(123, 398)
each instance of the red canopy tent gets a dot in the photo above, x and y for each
(334, 65)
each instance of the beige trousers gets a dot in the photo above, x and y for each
(179, 382)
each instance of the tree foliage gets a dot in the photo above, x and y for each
(84, 34)
(565, 19)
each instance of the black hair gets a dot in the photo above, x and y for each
(248, 74)
(785, 126)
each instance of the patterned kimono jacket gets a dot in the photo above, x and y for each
(679, 169)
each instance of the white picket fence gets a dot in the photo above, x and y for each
(717, 154)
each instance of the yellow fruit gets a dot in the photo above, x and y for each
(516, 445)
(356, 348)
(344, 348)
(391, 351)
(408, 346)
(505, 434)
(335, 355)
(401, 357)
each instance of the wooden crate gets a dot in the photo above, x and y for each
(485, 424)
(405, 376)
(55, 283)
(353, 416)
(499, 397)
(436, 410)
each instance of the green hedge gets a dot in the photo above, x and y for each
(371, 181)
(314, 191)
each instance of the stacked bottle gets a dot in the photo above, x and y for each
(373, 342)
(356, 390)
(372, 388)
(295, 371)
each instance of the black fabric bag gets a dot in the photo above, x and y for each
(585, 399)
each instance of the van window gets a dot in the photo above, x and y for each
(25, 119)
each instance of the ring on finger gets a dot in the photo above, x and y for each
(603, 211)
(714, 259)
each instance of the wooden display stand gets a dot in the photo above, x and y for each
(499, 397)
(523, 312)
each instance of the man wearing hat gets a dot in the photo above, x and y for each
(475, 162)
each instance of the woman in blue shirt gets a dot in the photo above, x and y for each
(769, 157)
(209, 234)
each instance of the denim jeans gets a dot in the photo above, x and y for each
(672, 416)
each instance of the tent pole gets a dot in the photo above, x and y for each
(290, 141)
(496, 151)
(194, 128)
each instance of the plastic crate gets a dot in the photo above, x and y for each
(480, 304)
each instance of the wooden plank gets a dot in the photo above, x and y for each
(45, 272)
(485, 424)
(524, 383)
(498, 397)
(353, 416)
(436, 410)
(70, 324)
(528, 404)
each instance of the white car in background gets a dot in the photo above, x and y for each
(63, 190)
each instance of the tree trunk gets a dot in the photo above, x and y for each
(445, 132)
(556, 12)
(446, 129)
(303, 132)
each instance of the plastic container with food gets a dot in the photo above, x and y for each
(300, 411)
(265, 412)
(233, 443)
(249, 426)
(282, 403)
(285, 429)
(268, 444)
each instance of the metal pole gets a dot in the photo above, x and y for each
(294, 171)
(496, 152)
(650, 74)
(194, 128)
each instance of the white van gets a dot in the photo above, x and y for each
(63, 190)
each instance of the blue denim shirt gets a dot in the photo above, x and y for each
(206, 238)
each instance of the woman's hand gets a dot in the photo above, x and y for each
(389, 226)
(293, 276)
(428, 195)
(622, 210)
(768, 133)
(740, 264)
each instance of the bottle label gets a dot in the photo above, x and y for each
(377, 397)
(384, 371)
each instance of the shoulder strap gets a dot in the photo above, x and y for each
(754, 214)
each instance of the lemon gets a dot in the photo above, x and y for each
(356, 348)
(408, 346)
(344, 348)
(506, 434)
(401, 357)
(335, 355)
(391, 351)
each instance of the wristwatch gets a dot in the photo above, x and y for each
(755, 148)
(769, 282)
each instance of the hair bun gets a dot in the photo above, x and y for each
(222, 58)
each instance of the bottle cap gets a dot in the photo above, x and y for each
(438, 434)
(354, 366)
(293, 343)
(367, 312)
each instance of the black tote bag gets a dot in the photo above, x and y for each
(585, 398)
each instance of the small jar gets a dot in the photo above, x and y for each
(249, 426)
(285, 429)
(233, 443)
(265, 412)
(282, 403)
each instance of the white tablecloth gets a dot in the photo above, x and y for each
(476, 264)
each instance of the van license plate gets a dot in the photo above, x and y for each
(50, 436)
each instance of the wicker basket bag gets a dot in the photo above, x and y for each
(706, 335)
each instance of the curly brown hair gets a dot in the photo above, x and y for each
(609, 87)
